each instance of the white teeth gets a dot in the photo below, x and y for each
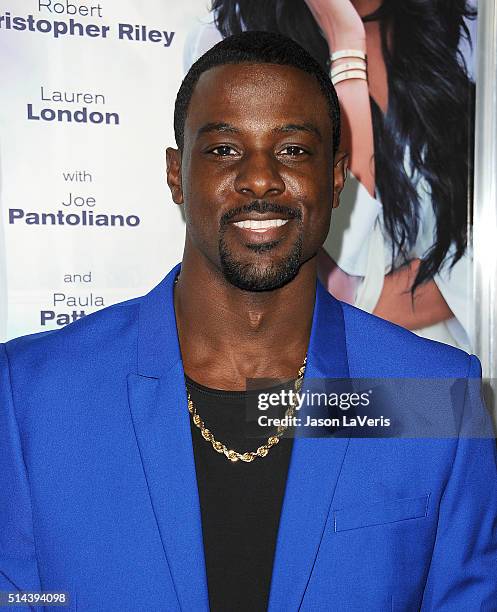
(261, 225)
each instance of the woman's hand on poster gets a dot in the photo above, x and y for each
(340, 23)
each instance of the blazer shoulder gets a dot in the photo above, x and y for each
(106, 330)
(392, 350)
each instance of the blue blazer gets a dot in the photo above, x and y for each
(98, 494)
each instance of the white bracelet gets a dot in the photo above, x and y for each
(348, 53)
(348, 66)
(350, 74)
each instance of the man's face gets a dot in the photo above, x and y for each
(256, 174)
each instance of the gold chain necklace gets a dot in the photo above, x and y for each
(263, 450)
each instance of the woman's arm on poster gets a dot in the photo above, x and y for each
(397, 305)
(344, 29)
(341, 285)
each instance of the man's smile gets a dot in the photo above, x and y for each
(261, 222)
(257, 230)
(260, 226)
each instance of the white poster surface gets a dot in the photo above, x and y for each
(86, 112)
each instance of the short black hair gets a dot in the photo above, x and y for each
(255, 48)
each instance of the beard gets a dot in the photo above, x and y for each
(261, 277)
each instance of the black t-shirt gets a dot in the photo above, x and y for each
(240, 502)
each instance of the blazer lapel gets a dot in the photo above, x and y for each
(314, 468)
(160, 416)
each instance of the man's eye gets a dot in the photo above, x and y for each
(293, 150)
(223, 151)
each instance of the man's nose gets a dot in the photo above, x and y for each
(258, 176)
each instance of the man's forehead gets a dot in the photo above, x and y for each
(257, 75)
(221, 127)
(236, 94)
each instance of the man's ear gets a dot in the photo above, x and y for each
(173, 171)
(340, 169)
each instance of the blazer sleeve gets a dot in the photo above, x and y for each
(463, 570)
(18, 563)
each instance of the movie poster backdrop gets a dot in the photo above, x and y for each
(86, 113)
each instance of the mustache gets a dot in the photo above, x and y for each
(261, 206)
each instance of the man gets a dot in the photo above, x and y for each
(114, 493)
